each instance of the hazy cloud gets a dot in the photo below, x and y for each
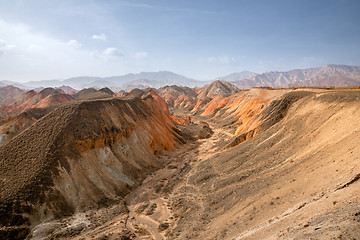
(141, 55)
(4, 47)
(101, 37)
(2, 43)
(111, 54)
(73, 43)
(222, 59)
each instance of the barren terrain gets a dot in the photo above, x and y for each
(262, 164)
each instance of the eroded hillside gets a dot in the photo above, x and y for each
(81, 155)
(298, 179)
(258, 164)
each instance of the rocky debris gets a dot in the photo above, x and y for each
(151, 209)
(126, 235)
(163, 226)
(194, 131)
(305, 224)
(357, 216)
(142, 208)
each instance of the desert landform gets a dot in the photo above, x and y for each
(246, 156)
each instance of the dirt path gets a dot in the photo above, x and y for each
(150, 212)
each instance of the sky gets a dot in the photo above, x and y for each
(202, 39)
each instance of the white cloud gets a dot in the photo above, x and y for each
(29, 55)
(101, 37)
(73, 43)
(113, 52)
(26, 54)
(110, 54)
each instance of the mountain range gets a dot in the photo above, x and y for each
(328, 75)
(143, 80)
(237, 76)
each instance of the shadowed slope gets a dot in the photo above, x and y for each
(79, 156)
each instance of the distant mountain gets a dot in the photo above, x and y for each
(128, 81)
(141, 84)
(42, 83)
(236, 76)
(155, 79)
(4, 83)
(328, 75)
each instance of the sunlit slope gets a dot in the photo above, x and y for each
(298, 179)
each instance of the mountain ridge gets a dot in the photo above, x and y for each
(154, 79)
(327, 75)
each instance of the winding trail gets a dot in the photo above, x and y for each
(150, 212)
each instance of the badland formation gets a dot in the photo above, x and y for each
(246, 156)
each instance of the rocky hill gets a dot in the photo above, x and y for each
(47, 97)
(9, 95)
(80, 156)
(178, 97)
(217, 88)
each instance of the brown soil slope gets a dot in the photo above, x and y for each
(79, 156)
(300, 179)
(243, 114)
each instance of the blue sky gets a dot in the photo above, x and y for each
(203, 39)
